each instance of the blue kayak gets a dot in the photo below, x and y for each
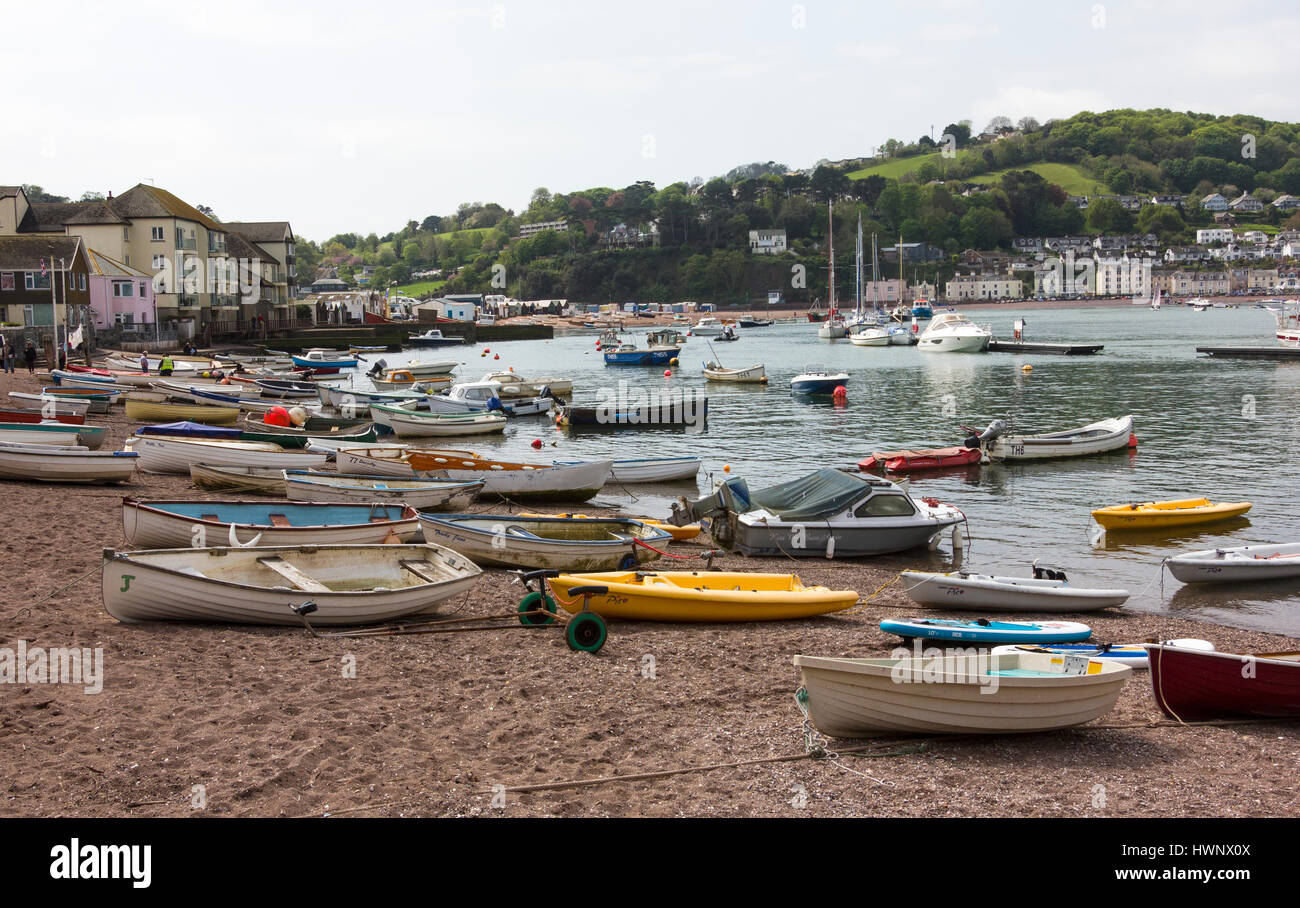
(984, 631)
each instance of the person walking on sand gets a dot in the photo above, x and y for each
(9, 355)
(144, 362)
(30, 355)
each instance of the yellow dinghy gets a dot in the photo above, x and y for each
(701, 596)
(679, 534)
(148, 407)
(1161, 515)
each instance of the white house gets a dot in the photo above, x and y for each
(1214, 202)
(1214, 235)
(1246, 202)
(983, 287)
(1123, 276)
(767, 242)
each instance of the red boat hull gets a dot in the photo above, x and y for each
(33, 416)
(1194, 685)
(916, 461)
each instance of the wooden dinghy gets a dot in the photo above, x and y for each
(1239, 564)
(159, 454)
(260, 480)
(151, 406)
(51, 407)
(1095, 438)
(1047, 591)
(649, 469)
(51, 433)
(512, 480)
(703, 596)
(956, 694)
(679, 534)
(350, 584)
(421, 494)
(1196, 686)
(553, 543)
(176, 523)
(1163, 515)
(97, 401)
(285, 388)
(756, 374)
(406, 423)
(19, 414)
(64, 463)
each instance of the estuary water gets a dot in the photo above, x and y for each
(1228, 430)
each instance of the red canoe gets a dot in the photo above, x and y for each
(914, 461)
(31, 416)
(1194, 685)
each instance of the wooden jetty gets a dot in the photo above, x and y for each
(1283, 353)
(997, 346)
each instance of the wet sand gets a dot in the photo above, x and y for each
(266, 723)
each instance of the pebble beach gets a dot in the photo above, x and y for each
(245, 721)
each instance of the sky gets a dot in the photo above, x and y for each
(361, 116)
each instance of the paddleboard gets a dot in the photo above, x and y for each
(1130, 654)
(983, 630)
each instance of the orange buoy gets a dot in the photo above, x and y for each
(726, 468)
(1132, 440)
(840, 392)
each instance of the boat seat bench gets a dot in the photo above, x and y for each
(299, 579)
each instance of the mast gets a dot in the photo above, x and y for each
(830, 239)
(875, 276)
(857, 272)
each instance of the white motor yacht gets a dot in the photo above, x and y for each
(952, 332)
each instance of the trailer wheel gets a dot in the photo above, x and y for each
(586, 632)
(628, 563)
(536, 602)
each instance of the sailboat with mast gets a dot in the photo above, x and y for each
(865, 331)
(833, 327)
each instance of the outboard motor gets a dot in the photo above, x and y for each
(996, 428)
(379, 367)
(1047, 573)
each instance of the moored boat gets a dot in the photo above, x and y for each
(349, 584)
(421, 494)
(1134, 655)
(920, 460)
(150, 406)
(432, 338)
(159, 454)
(756, 374)
(162, 524)
(983, 630)
(951, 332)
(649, 469)
(818, 381)
(259, 480)
(1238, 564)
(52, 407)
(1163, 515)
(513, 480)
(703, 596)
(406, 423)
(1094, 438)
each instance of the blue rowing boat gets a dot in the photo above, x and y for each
(983, 630)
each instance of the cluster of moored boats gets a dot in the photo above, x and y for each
(357, 520)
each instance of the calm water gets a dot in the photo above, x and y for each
(1226, 430)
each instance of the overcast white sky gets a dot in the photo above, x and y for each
(358, 116)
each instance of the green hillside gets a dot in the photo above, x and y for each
(1068, 176)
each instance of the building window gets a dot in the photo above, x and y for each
(123, 289)
(159, 261)
(83, 282)
(156, 234)
(34, 280)
(126, 234)
(7, 281)
(143, 292)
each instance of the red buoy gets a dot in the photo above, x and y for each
(668, 373)
(277, 416)
(1132, 440)
(840, 392)
(537, 442)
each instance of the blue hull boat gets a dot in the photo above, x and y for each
(184, 523)
(985, 631)
(818, 382)
(655, 357)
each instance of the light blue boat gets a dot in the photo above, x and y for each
(198, 524)
(90, 436)
(984, 631)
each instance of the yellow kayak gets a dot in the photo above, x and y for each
(679, 534)
(1158, 515)
(702, 596)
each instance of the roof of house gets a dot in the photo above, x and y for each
(7, 191)
(25, 253)
(98, 212)
(237, 245)
(262, 231)
(49, 217)
(104, 266)
(141, 201)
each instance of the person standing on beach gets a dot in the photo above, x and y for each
(8, 355)
(30, 355)
(144, 362)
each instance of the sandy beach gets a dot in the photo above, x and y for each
(238, 721)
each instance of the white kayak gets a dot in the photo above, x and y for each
(1047, 591)
(1247, 562)
(1133, 655)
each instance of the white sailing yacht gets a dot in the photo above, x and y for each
(833, 327)
(865, 331)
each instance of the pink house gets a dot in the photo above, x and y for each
(119, 294)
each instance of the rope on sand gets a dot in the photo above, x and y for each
(905, 748)
(42, 600)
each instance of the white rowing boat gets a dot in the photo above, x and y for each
(406, 423)
(1095, 438)
(64, 463)
(159, 454)
(350, 584)
(756, 374)
(259, 480)
(972, 693)
(421, 494)
(649, 469)
(1238, 564)
(1047, 591)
